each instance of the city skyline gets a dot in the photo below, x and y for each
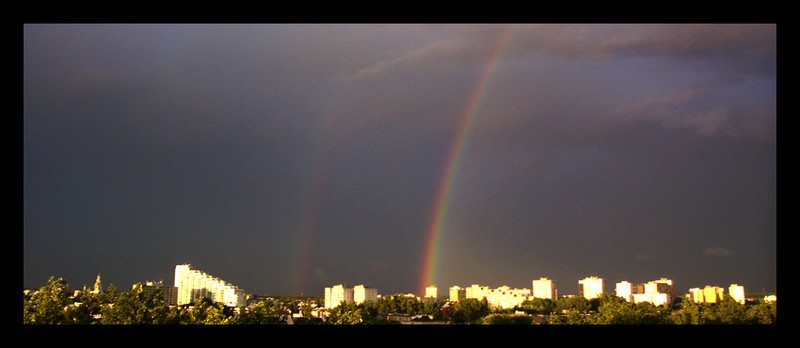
(287, 157)
(551, 284)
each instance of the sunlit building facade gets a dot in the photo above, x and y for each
(457, 293)
(713, 294)
(590, 287)
(658, 292)
(432, 292)
(708, 294)
(695, 295)
(505, 297)
(477, 291)
(737, 293)
(544, 288)
(338, 294)
(625, 290)
(502, 297)
(363, 293)
(193, 284)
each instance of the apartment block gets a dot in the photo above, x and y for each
(193, 284)
(590, 287)
(363, 293)
(457, 293)
(431, 292)
(736, 292)
(544, 288)
(708, 294)
(625, 290)
(338, 294)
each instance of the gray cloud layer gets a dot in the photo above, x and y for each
(150, 145)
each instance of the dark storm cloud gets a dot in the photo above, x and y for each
(718, 252)
(752, 42)
(619, 150)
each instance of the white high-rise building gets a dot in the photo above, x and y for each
(657, 292)
(501, 297)
(476, 291)
(544, 288)
(505, 297)
(338, 294)
(193, 284)
(457, 293)
(362, 293)
(708, 294)
(590, 287)
(713, 294)
(431, 292)
(737, 292)
(625, 289)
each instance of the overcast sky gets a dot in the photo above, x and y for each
(286, 158)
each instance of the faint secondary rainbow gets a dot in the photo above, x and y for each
(302, 273)
(307, 232)
(437, 224)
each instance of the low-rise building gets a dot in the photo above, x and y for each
(169, 293)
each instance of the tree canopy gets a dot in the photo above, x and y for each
(55, 304)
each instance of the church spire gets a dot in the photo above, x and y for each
(98, 287)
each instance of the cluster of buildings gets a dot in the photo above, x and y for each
(714, 294)
(658, 292)
(340, 293)
(192, 284)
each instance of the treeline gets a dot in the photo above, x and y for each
(54, 304)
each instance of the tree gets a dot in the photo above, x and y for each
(86, 305)
(470, 310)
(110, 296)
(762, 313)
(127, 308)
(348, 314)
(397, 304)
(730, 311)
(577, 318)
(538, 306)
(685, 313)
(208, 312)
(506, 319)
(158, 311)
(648, 313)
(613, 309)
(573, 304)
(261, 312)
(433, 308)
(48, 305)
(305, 310)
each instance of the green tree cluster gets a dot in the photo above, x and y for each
(54, 304)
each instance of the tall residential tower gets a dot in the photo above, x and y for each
(193, 284)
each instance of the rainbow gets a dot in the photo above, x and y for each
(305, 235)
(309, 213)
(436, 226)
